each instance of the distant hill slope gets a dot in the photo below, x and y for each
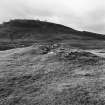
(30, 28)
(18, 33)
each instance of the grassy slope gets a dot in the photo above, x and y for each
(50, 74)
(19, 33)
(32, 76)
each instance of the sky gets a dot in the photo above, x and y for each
(85, 15)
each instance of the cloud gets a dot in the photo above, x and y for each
(95, 21)
(79, 14)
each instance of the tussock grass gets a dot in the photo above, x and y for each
(30, 77)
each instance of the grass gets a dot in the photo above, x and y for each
(63, 67)
(22, 33)
(30, 77)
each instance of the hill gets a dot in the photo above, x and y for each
(19, 33)
(50, 64)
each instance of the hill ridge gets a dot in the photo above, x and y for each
(24, 32)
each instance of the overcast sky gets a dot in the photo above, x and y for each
(79, 14)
